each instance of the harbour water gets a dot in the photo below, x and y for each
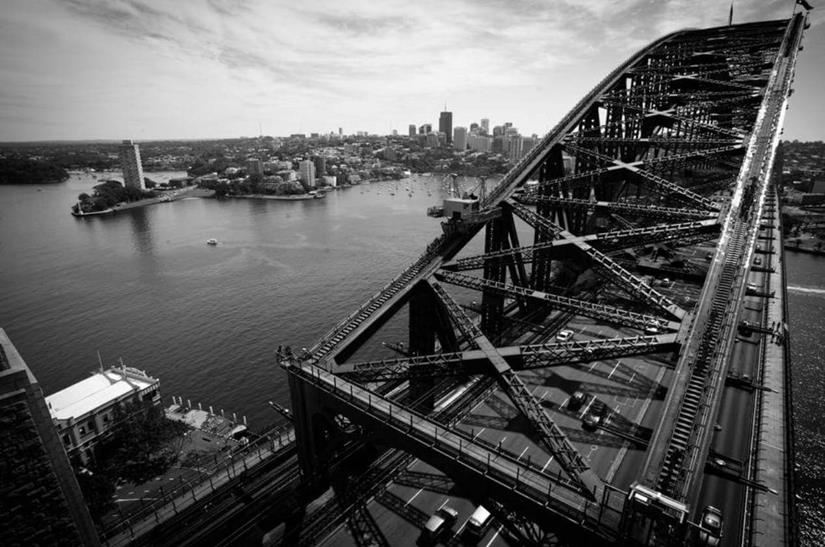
(143, 285)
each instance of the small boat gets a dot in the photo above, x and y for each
(212, 241)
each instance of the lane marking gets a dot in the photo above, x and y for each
(550, 459)
(480, 431)
(614, 369)
(443, 504)
(587, 407)
(413, 496)
(492, 539)
(522, 453)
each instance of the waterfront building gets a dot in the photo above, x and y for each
(460, 138)
(485, 125)
(445, 125)
(307, 170)
(411, 130)
(84, 413)
(330, 180)
(287, 175)
(320, 166)
(131, 166)
(254, 166)
(42, 502)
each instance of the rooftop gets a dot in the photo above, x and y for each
(95, 391)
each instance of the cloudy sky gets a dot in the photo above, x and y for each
(149, 69)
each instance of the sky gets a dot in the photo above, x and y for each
(160, 69)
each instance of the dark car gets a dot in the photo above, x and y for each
(710, 532)
(576, 400)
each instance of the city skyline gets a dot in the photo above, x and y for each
(220, 68)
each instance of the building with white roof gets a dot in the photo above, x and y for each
(84, 412)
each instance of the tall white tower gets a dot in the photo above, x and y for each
(131, 166)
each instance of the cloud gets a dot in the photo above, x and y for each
(213, 66)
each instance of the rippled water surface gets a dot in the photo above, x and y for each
(144, 286)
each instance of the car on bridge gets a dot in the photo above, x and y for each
(438, 526)
(710, 533)
(564, 336)
(592, 420)
(577, 400)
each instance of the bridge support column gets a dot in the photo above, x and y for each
(492, 304)
(428, 320)
(312, 433)
(552, 168)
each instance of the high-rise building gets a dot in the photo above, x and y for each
(425, 129)
(130, 164)
(485, 125)
(42, 502)
(320, 166)
(340, 131)
(307, 170)
(445, 125)
(498, 144)
(474, 127)
(460, 138)
(411, 130)
(498, 130)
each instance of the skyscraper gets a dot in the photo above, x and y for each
(307, 170)
(42, 502)
(411, 130)
(320, 166)
(485, 125)
(131, 166)
(460, 138)
(445, 125)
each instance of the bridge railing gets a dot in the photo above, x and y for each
(526, 478)
(271, 442)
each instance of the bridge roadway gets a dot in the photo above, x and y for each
(524, 484)
(675, 462)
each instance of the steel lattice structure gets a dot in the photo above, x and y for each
(675, 145)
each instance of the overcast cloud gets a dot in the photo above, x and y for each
(146, 69)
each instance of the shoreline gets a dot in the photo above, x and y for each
(188, 192)
(293, 197)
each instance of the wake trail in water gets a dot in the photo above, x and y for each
(809, 290)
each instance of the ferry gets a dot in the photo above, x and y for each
(212, 241)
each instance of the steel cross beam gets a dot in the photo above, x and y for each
(627, 207)
(604, 241)
(609, 314)
(550, 435)
(608, 268)
(634, 237)
(527, 357)
(670, 113)
(536, 221)
(633, 167)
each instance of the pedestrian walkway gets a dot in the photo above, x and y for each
(137, 525)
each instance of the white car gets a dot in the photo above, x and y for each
(564, 336)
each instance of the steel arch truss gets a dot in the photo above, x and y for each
(651, 155)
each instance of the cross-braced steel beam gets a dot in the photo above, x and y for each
(550, 435)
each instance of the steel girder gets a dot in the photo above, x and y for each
(550, 435)
(683, 101)
(527, 357)
(609, 314)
